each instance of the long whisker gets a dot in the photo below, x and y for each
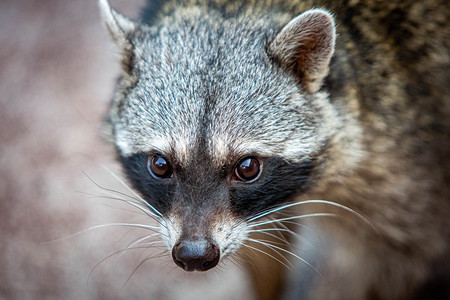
(137, 225)
(153, 228)
(280, 233)
(288, 252)
(136, 204)
(282, 239)
(268, 242)
(137, 241)
(125, 209)
(108, 189)
(236, 260)
(279, 230)
(152, 244)
(317, 202)
(140, 264)
(292, 218)
(134, 193)
(111, 197)
(283, 225)
(153, 214)
(109, 256)
(270, 255)
(141, 246)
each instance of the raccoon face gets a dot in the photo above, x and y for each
(218, 120)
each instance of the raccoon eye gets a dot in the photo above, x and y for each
(248, 169)
(159, 167)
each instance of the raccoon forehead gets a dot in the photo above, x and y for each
(236, 122)
(203, 85)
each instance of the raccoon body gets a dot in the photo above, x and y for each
(229, 113)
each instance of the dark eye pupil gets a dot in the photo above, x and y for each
(159, 167)
(248, 169)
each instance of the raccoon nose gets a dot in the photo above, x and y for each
(196, 255)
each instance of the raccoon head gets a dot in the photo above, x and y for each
(217, 120)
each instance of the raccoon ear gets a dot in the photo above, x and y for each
(305, 46)
(120, 29)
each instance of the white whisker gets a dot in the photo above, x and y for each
(282, 238)
(288, 252)
(136, 204)
(136, 242)
(264, 252)
(139, 203)
(283, 225)
(268, 242)
(154, 228)
(109, 256)
(152, 244)
(124, 209)
(280, 230)
(292, 218)
(131, 190)
(140, 264)
(123, 225)
(108, 189)
(316, 202)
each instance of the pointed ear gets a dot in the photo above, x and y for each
(305, 46)
(120, 29)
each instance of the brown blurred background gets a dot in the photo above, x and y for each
(57, 72)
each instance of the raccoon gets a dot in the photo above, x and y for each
(236, 120)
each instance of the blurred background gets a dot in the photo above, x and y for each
(57, 72)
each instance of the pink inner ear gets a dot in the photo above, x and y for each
(305, 45)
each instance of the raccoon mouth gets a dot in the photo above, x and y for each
(198, 255)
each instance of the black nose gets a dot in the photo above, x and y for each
(196, 255)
